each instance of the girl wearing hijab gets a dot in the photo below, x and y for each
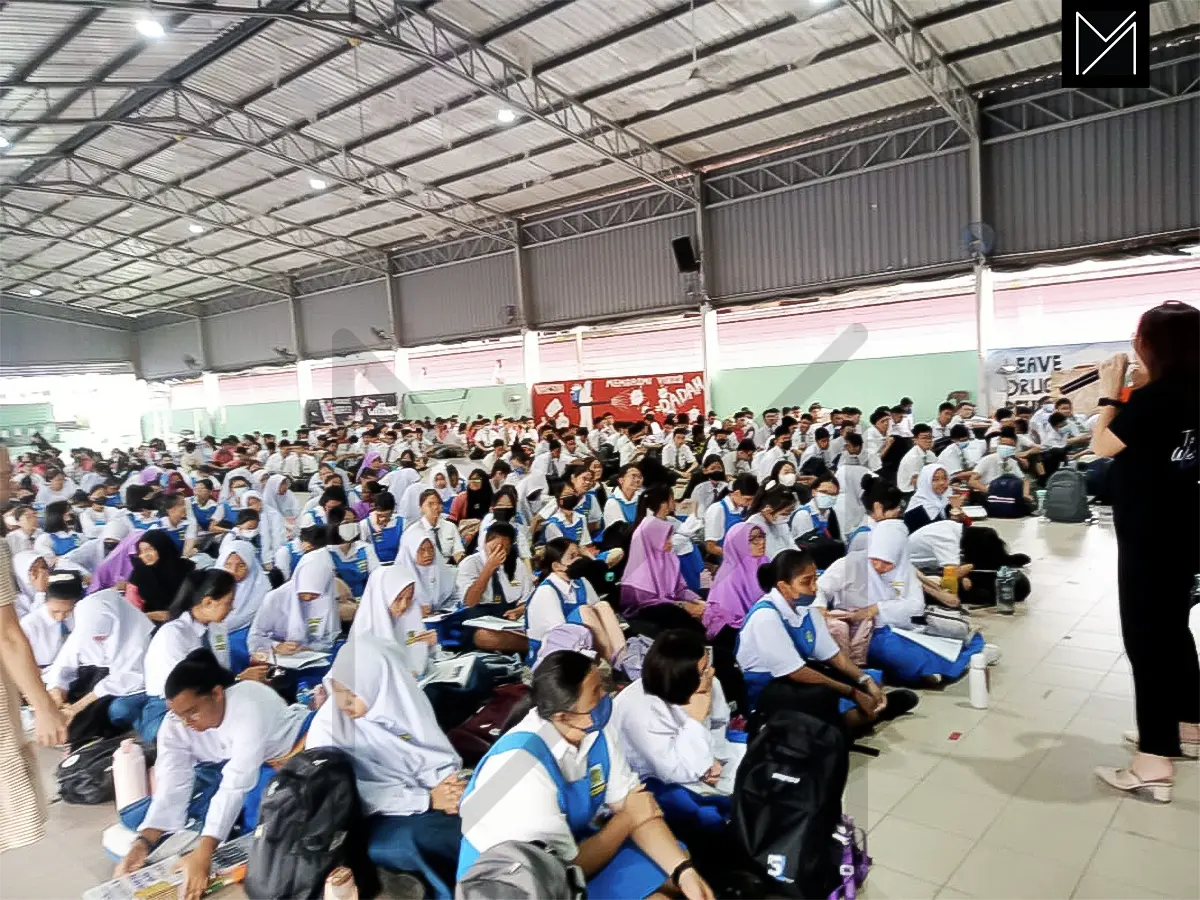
(405, 768)
(439, 482)
(230, 639)
(652, 575)
(353, 557)
(109, 640)
(48, 624)
(202, 605)
(61, 535)
(391, 613)
(158, 571)
(933, 500)
(31, 572)
(531, 495)
(850, 474)
(278, 498)
(435, 578)
(300, 615)
(770, 511)
(735, 587)
(894, 597)
(475, 501)
(272, 530)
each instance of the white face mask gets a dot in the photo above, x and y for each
(249, 533)
(787, 479)
(348, 531)
(825, 501)
(240, 491)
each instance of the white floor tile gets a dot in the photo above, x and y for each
(990, 871)
(917, 850)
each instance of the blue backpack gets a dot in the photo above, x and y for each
(1006, 497)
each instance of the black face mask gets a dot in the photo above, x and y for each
(503, 514)
(579, 568)
(569, 502)
(716, 476)
(535, 496)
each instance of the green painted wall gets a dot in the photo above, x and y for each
(865, 383)
(18, 422)
(466, 402)
(265, 417)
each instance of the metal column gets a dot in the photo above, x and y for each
(983, 283)
(294, 327)
(393, 298)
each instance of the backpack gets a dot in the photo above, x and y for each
(516, 869)
(1066, 497)
(507, 706)
(85, 777)
(1006, 497)
(1098, 479)
(310, 822)
(787, 803)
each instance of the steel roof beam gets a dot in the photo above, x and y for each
(107, 182)
(10, 273)
(922, 59)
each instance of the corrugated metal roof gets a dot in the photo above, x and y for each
(704, 79)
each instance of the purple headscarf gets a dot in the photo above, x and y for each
(652, 574)
(368, 462)
(735, 588)
(118, 565)
(149, 475)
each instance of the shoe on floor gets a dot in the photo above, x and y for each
(899, 702)
(1191, 749)
(1126, 780)
(991, 654)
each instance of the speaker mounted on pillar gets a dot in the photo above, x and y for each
(685, 255)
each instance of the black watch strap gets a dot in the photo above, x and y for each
(680, 869)
(1110, 401)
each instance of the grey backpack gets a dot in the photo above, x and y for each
(1066, 497)
(521, 871)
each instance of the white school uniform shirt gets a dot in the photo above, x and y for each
(553, 531)
(779, 535)
(678, 457)
(545, 464)
(373, 562)
(992, 467)
(528, 809)
(626, 450)
(801, 439)
(283, 616)
(662, 741)
(613, 512)
(19, 541)
(940, 431)
(910, 467)
(109, 633)
(92, 522)
(524, 541)
(274, 463)
(766, 646)
(1051, 437)
(957, 459)
(812, 450)
(714, 519)
(936, 544)
(766, 460)
(258, 726)
(47, 494)
(45, 635)
(545, 609)
(171, 643)
(515, 590)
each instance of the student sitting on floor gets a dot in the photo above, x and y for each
(727, 512)
(231, 636)
(48, 625)
(405, 768)
(382, 528)
(100, 663)
(623, 502)
(571, 766)
(289, 555)
(353, 557)
(933, 499)
(653, 576)
(1003, 460)
(218, 748)
(917, 458)
(495, 581)
(771, 510)
(565, 595)
(390, 613)
(782, 638)
(301, 614)
(158, 571)
(435, 579)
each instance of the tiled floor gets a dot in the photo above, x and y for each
(962, 802)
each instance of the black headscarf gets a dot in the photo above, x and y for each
(479, 502)
(158, 584)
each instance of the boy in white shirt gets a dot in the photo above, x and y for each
(918, 457)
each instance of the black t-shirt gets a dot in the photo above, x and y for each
(1156, 491)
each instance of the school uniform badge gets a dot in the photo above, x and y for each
(596, 780)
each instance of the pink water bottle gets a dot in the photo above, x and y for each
(129, 773)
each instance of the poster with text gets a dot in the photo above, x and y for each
(1020, 376)
(582, 401)
(347, 410)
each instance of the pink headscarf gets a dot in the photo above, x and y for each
(149, 475)
(735, 588)
(118, 565)
(652, 574)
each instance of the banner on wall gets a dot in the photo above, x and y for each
(582, 401)
(343, 410)
(1020, 376)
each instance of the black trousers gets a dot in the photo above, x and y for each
(1155, 600)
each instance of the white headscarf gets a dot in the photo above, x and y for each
(435, 582)
(271, 527)
(374, 616)
(844, 585)
(924, 497)
(285, 504)
(110, 632)
(398, 751)
(116, 528)
(898, 594)
(409, 507)
(250, 590)
(849, 506)
(27, 598)
(314, 575)
(535, 481)
(446, 493)
(399, 480)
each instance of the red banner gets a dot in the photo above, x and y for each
(583, 401)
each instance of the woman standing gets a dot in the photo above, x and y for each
(1152, 438)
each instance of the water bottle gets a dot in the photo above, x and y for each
(130, 782)
(340, 885)
(1006, 588)
(977, 681)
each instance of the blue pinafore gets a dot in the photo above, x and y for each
(176, 532)
(570, 612)
(629, 508)
(386, 541)
(804, 638)
(63, 544)
(630, 873)
(573, 532)
(203, 515)
(731, 518)
(353, 571)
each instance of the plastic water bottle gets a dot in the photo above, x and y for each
(130, 782)
(1006, 591)
(977, 681)
(340, 885)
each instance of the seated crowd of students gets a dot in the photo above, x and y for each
(711, 571)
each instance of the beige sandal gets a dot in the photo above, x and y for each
(1131, 783)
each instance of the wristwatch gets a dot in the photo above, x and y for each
(1110, 401)
(864, 680)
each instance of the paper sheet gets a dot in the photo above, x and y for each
(302, 660)
(494, 623)
(947, 648)
(456, 670)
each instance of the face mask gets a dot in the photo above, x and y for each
(805, 599)
(1048, 407)
(248, 533)
(578, 569)
(716, 476)
(1004, 451)
(504, 514)
(963, 445)
(569, 502)
(787, 479)
(240, 491)
(825, 501)
(600, 714)
(348, 531)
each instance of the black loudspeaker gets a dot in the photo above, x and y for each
(685, 254)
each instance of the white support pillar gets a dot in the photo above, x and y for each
(710, 350)
(532, 360)
(985, 317)
(304, 381)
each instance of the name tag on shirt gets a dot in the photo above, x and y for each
(314, 627)
(596, 780)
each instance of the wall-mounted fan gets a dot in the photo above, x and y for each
(978, 240)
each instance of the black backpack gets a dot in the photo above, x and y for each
(309, 823)
(1006, 497)
(787, 803)
(85, 777)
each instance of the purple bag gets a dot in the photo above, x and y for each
(566, 636)
(856, 863)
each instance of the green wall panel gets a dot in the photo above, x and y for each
(265, 417)
(865, 383)
(509, 399)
